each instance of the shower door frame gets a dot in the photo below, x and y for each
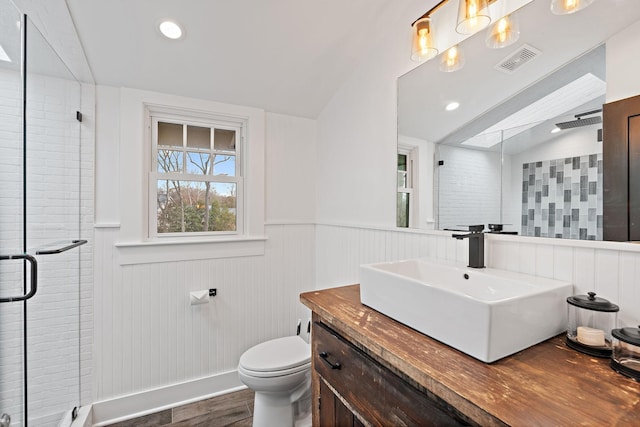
(29, 262)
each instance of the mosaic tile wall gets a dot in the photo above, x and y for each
(563, 198)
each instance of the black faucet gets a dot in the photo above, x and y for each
(476, 245)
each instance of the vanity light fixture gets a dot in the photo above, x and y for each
(503, 33)
(555, 130)
(473, 16)
(422, 45)
(565, 7)
(170, 30)
(452, 59)
(452, 106)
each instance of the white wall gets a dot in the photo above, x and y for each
(148, 339)
(357, 133)
(290, 169)
(623, 66)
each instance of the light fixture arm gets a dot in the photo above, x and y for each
(429, 12)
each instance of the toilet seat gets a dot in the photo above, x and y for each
(278, 357)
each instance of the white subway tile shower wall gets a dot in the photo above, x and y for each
(87, 168)
(54, 313)
(58, 308)
(11, 219)
(468, 187)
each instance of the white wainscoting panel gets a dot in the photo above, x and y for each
(147, 335)
(613, 274)
(341, 249)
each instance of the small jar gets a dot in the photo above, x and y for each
(591, 320)
(626, 352)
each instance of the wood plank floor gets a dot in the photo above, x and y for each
(233, 409)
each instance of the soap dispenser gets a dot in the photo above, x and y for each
(591, 320)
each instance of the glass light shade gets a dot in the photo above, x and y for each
(503, 33)
(452, 60)
(565, 7)
(473, 15)
(422, 44)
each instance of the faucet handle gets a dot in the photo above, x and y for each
(499, 229)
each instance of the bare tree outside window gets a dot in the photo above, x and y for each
(196, 191)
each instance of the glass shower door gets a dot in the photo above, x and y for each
(13, 271)
(40, 238)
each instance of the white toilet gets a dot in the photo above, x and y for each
(279, 371)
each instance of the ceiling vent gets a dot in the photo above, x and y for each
(517, 59)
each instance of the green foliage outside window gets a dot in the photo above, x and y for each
(183, 209)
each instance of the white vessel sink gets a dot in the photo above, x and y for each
(485, 313)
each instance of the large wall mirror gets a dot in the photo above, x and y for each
(524, 146)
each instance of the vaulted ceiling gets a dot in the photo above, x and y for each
(286, 56)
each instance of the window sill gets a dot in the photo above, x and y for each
(186, 250)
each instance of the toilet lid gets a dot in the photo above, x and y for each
(276, 355)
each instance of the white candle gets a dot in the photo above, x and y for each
(591, 336)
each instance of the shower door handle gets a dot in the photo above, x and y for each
(34, 277)
(73, 244)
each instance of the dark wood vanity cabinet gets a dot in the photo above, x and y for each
(369, 369)
(352, 389)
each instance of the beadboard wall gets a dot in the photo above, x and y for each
(148, 336)
(610, 269)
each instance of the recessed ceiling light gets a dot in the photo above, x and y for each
(555, 130)
(170, 30)
(452, 106)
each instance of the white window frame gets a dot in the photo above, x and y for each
(412, 181)
(189, 118)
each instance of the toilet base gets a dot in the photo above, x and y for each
(275, 409)
(304, 422)
(272, 410)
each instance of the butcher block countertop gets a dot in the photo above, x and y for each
(545, 385)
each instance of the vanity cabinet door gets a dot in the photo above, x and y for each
(333, 412)
(377, 395)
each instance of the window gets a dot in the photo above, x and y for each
(405, 190)
(196, 178)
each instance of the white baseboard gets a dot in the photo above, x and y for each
(147, 402)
